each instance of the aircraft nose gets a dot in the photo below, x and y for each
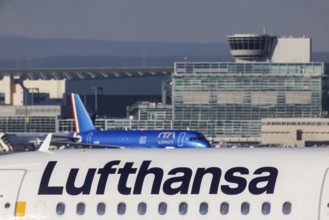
(205, 144)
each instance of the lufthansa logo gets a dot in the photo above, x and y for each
(178, 180)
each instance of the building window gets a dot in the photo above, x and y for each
(299, 135)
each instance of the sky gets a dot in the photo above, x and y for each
(189, 21)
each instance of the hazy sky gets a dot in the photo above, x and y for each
(201, 21)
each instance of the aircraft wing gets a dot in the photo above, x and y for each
(85, 144)
(57, 140)
(72, 141)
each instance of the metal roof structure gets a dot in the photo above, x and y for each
(83, 73)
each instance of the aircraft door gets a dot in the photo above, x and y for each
(10, 184)
(90, 135)
(181, 139)
(324, 198)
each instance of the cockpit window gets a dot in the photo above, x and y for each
(198, 138)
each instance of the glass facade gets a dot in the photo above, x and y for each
(251, 42)
(229, 99)
(113, 124)
(67, 125)
(150, 111)
(234, 69)
(28, 124)
(31, 118)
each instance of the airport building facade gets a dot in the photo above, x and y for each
(230, 99)
(297, 132)
(227, 101)
(271, 78)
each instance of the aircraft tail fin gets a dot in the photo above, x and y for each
(81, 117)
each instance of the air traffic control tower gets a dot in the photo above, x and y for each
(250, 47)
(266, 48)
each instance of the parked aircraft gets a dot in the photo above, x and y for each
(20, 141)
(198, 184)
(86, 134)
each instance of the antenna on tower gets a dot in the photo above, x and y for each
(264, 29)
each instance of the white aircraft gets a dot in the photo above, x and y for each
(165, 184)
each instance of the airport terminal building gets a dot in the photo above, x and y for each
(230, 99)
(272, 77)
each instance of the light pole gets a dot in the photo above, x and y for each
(212, 102)
(26, 92)
(33, 90)
(95, 88)
(25, 104)
(96, 95)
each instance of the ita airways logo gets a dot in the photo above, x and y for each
(166, 135)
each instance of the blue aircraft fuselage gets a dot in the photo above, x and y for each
(144, 138)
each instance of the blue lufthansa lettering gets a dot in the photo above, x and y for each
(85, 188)
(216, 175)
(104, 173)
(232, 177)
(44, 188)
(143, 172)
(269, 181)
(178, 180)
(125, 172)
(183, 181)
